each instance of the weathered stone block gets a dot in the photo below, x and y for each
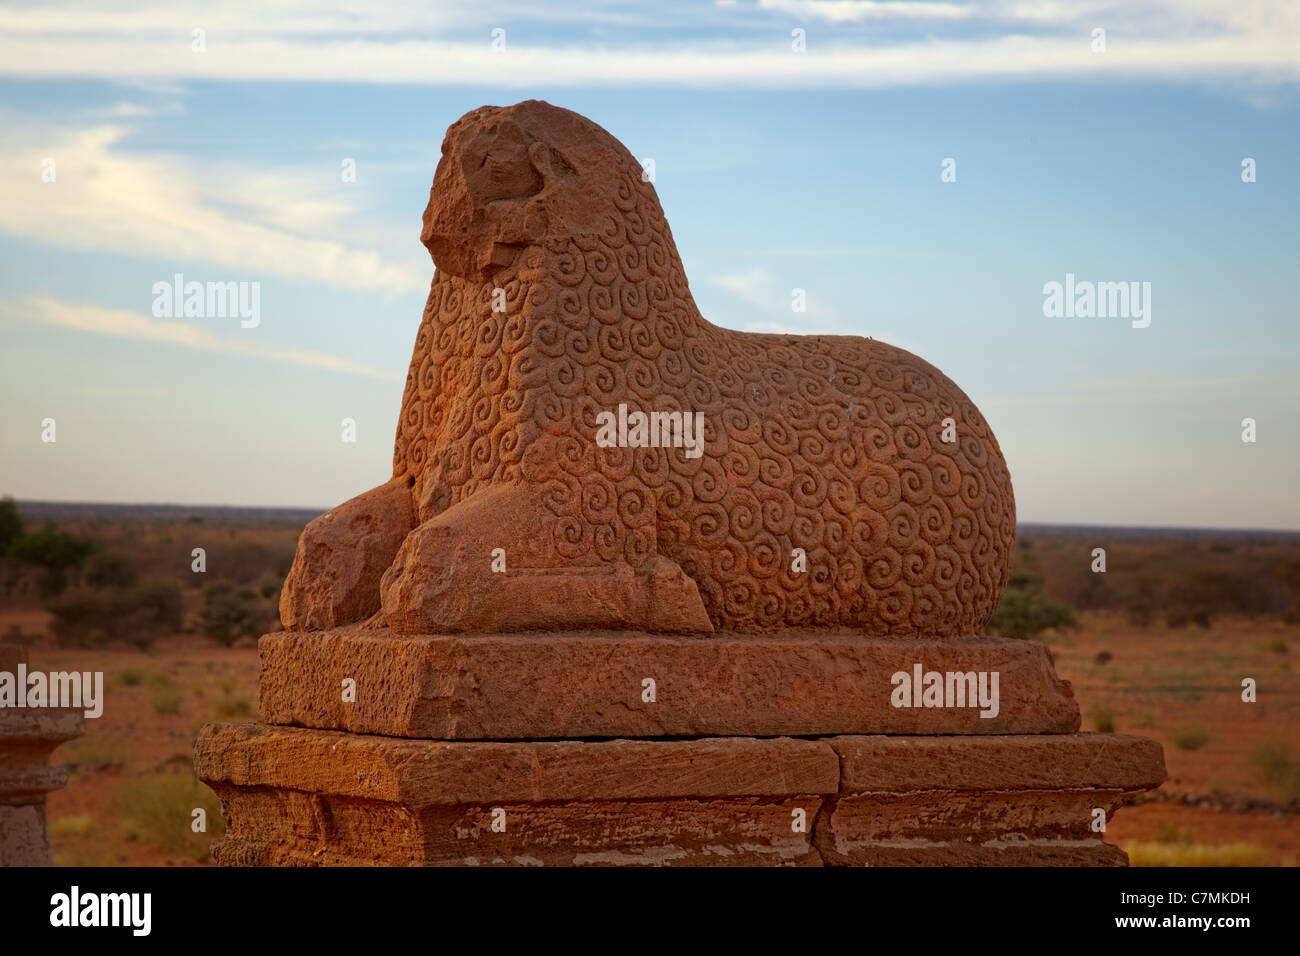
(420, 773)
(1073, 761)
(592, 685)
(296, 796)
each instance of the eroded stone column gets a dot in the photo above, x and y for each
(28, 735)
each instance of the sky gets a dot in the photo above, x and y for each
(133, 149)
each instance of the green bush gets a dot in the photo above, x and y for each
(269, 586)
(231, 612)
(109, 569)
(1280, 770)
(1191, 738)
(83, 617)
(1205, 594)
(11, 525)
(1103, 719)
(151, 609)
(167, 701)
(1139, 613)
(247, 561)
(55, 551)
(89, 617)
(1150, 853)
(232, 705)
(1025, 611)
(159, 810)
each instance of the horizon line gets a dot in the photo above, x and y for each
(1066, 525)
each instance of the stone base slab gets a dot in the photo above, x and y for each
(294, 796)
(565, 686)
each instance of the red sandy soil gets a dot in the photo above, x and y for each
(1164, 683)
(132, 740)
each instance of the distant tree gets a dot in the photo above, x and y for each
(1206, 593)
(1289, 574)
(269, 586)
(1141, 600)
(82, 617)
(86, 616)
(231, 611)
(55, 551)
(109, 569)
(248, 560)
(11, 524)
(151, 609)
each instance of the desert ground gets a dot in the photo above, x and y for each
(1158, 645)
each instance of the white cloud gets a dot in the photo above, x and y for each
(391, 43)
(1270, 58)
(128, 111)
(757, 287)
(182, 333)
(852, 11)
(105, 197)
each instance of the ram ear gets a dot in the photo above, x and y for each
(550, 163)
(540, 156)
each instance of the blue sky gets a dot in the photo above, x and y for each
(817, 170)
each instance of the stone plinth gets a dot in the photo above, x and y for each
(540, 686)
(308, 797)
(27, 738)
(986, 801)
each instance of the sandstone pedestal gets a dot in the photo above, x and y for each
(771, 750)
(27, 737)
(307, 797)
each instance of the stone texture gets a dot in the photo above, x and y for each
(294, 796)
(289, 828)
(992, 853)
(982, 801)
(447, 583)
(957, 815)
(27, 738)
(590, 685)
(983, 763)
(421, 773)
(560, 297)
(23, 840)
(304, 797)
(341, 556)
